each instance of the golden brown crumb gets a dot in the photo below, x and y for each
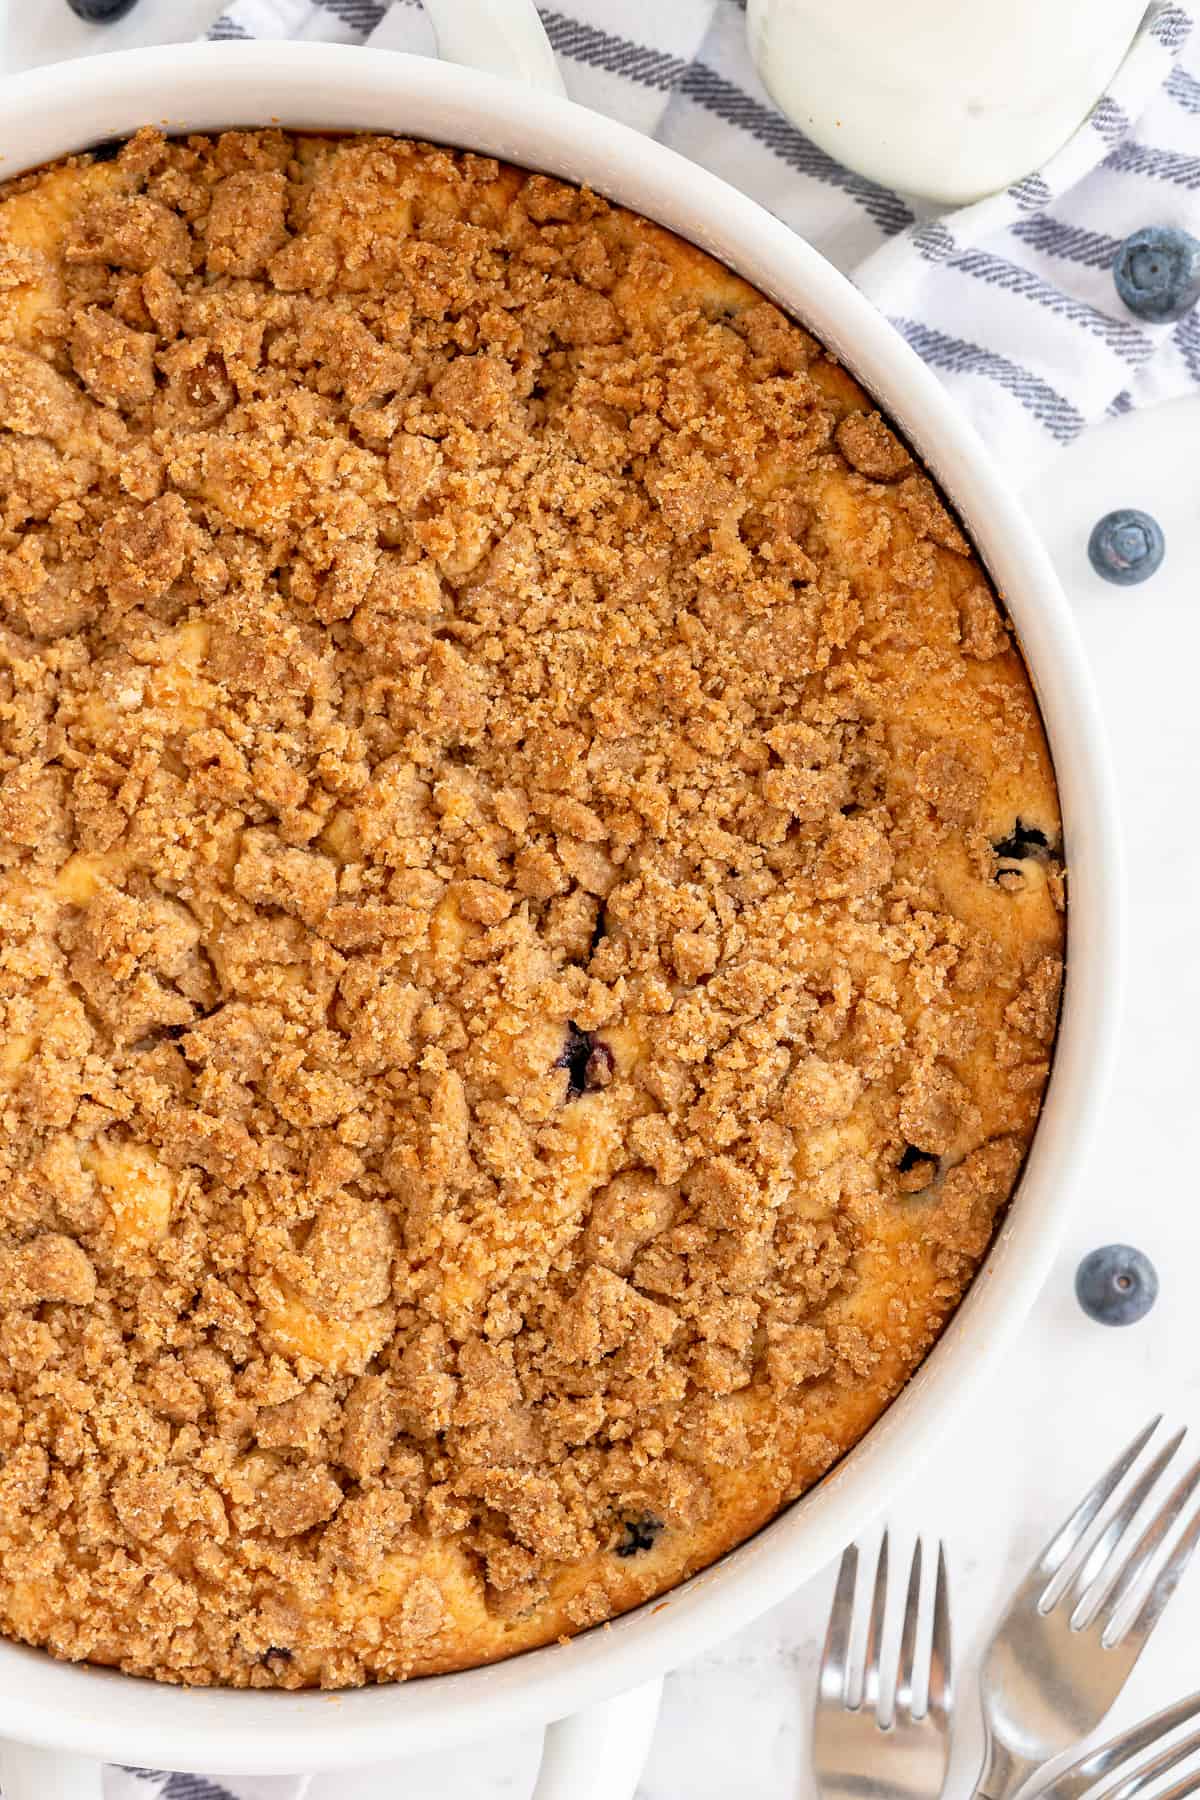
(869, 446)
(530, 910)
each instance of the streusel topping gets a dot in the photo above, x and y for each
(530, 910)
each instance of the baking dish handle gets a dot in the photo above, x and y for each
(29, 1774)
(502, 37)
(599, 1754)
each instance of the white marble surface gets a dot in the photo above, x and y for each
(735, 1722)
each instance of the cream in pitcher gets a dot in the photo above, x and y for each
(939, 97)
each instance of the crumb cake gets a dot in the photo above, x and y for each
(531, 910)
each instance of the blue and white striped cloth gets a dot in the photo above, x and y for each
(1010, 300)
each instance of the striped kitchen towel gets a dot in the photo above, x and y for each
(1011, 300)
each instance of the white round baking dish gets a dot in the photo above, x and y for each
(60, 1717)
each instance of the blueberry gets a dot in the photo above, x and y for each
(1023, 841)
(1116, 1285)
(1126, 547)
(599, 1067)
(638, 1534)
(915, 1170)
(1157, 273)
(107, 150)
(101, 12)
(589, 1063)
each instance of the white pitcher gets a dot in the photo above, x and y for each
(947, 99)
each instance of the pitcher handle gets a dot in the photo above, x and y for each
(502, 37)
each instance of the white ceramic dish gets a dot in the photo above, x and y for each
(62, 1717)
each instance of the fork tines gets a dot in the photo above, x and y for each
(1111, 1577)
(1137, 1761)
(891, 1689)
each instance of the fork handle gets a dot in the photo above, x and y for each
(1003, 1775)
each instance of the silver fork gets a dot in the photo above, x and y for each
(1082, 1617)
(1121, 1758)
(885, 1734)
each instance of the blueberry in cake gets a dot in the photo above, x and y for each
(531, 910)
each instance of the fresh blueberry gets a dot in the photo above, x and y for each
(101, 12)
(638, 1534)
(1126, 546)
(1157, 273)
(1116, 1285)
